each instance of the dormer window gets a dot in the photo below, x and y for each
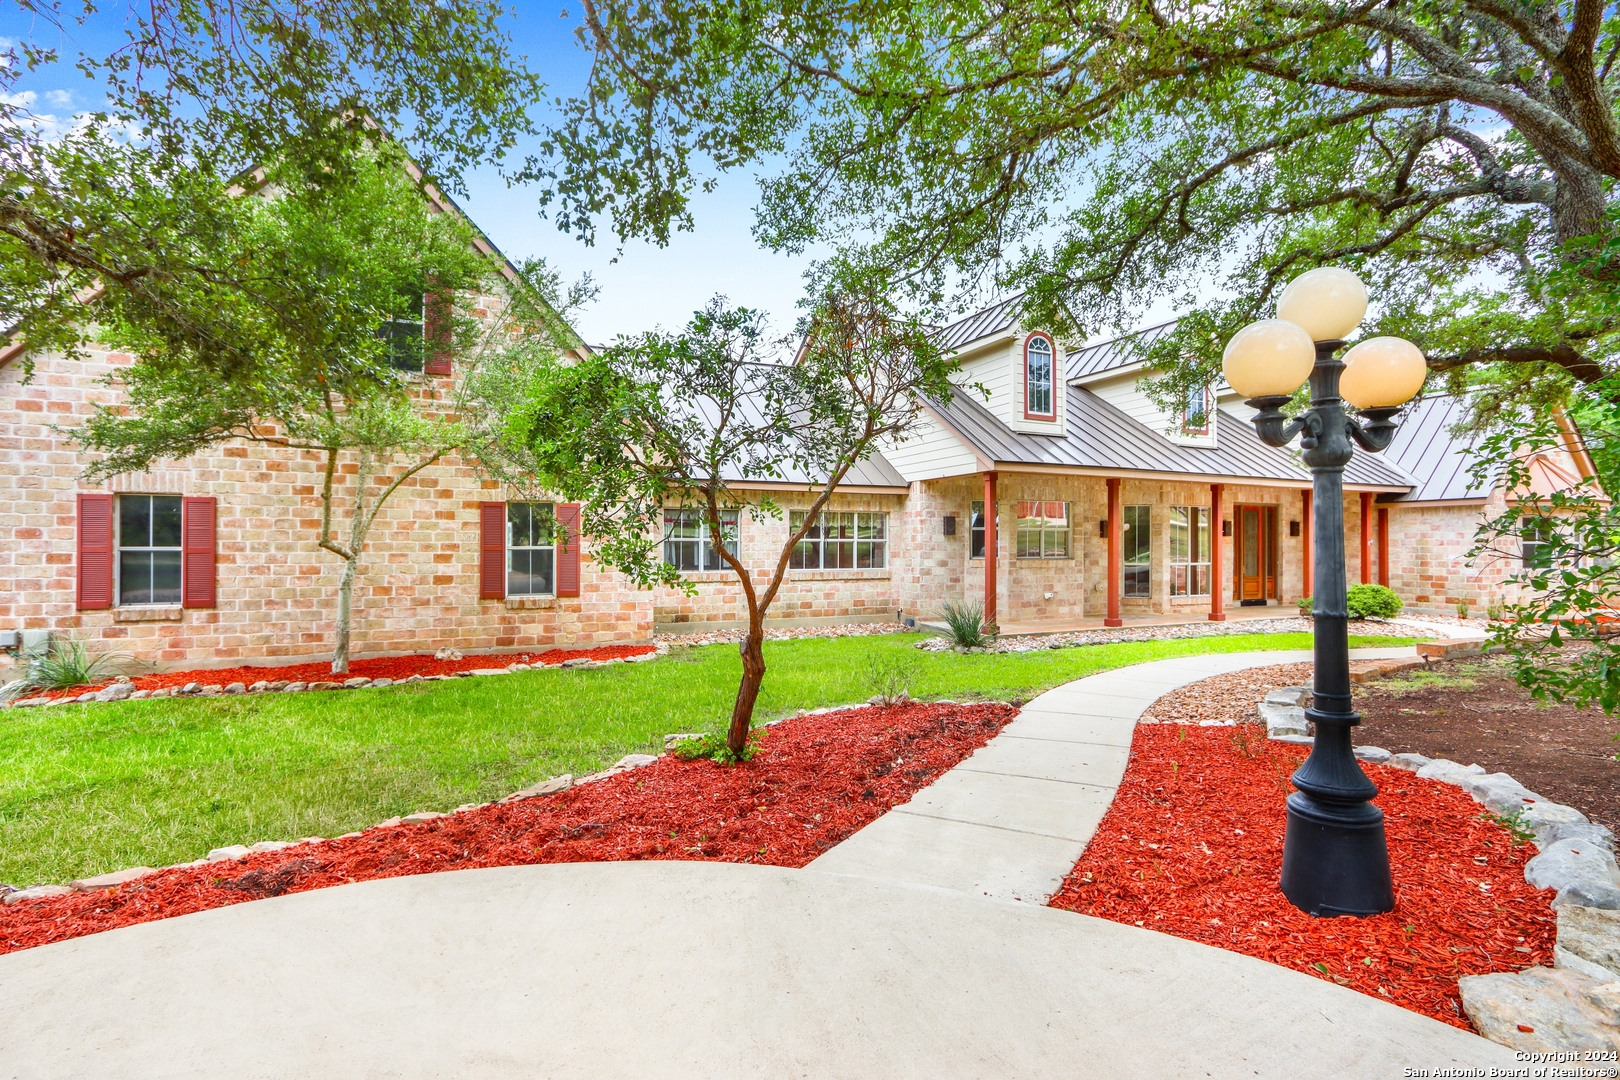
(1040, 392)
(1195, 411)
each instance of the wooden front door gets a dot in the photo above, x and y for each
(1254, 555)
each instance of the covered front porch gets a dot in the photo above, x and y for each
(1075, 550)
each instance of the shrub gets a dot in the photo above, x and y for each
(714, 747)
(966, 626)
(888, 676)
(1372, 602)
(66, 663)
(1306, 603)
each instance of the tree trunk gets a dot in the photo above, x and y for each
(340, 652)
(1579, 206)
(753, 676)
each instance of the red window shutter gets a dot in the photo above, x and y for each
(95, 552)
(436, 332)
(198, 521)
(492, 551)
(568, 545)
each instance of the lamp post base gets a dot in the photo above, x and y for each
(1336, 863)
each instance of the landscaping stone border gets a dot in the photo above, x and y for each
(1574, 1006)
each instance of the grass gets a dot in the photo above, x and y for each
(89, 788)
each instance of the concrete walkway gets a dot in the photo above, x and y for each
(893, 964)
(1011, 821)
(668, 969)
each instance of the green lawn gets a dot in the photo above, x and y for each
(89, 788)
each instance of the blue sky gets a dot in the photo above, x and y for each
(642, 286)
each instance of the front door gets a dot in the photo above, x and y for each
(1252, 560)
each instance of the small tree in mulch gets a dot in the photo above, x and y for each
(339, 287)
(684, 420)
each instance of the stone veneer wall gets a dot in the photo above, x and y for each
(1429, 564)
(418, 586)
(807, 597)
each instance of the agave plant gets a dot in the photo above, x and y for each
(965, 624)
(64, 664)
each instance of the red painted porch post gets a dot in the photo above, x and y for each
(1217, 552)
(1366, 538)
(992, 548)
(1307, 579)
(1383, 546)
(1116, 553)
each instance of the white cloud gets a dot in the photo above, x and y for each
(62, 99)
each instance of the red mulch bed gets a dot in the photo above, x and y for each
(1192, 846)
(815, 780)
(381, 667)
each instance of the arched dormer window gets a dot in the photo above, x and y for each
(1196, 410)
(1040, 388)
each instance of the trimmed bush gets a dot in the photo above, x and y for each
(1372, 601)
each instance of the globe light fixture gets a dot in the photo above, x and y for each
(1335, 855)
(1382, 372)
(1268, 358)
(1329, 302)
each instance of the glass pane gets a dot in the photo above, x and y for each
(1029, 513)
(519, 525)
(1251, 543)
(166, 577)
(1136, 580)
(1137, 535)
(1029, 543)
(871, 526)
(1038, 376)
(681, 554)
(1178, 580)
(1201, 535)
(166, 521)
(1055, 543)
(134, 577)
(880, 554)
(806, 556)
(1180, 539)
(135, 520)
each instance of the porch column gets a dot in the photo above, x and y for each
(1310, 551)
(1383, 546)
(1366, 538)
(1116, 553)
(992, 548)
(1217, 553)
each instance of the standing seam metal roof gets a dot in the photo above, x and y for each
(1100, 436)
(1115, 353)
(1425, 447)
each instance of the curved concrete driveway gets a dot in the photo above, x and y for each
(680, 970)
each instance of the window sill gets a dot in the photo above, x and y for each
(149, 613)
(701, 577)
(530, 603)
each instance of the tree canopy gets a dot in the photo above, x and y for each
(197, 96)
(1108, 156)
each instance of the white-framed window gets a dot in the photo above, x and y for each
(148, 549)
(404, 333)
(1039, 378)
(843, 540)
(1196, 410)
(531, 549)
(1535, 549)
(1138, 569)
(686, 539)
(1189, 550)
(976, 531)
(1043, 530)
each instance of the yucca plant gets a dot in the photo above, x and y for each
(64, 664)
(965, 625)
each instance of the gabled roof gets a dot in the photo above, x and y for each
(1425, 449)
(1100, 436)
(994, 319)
(1114, 353)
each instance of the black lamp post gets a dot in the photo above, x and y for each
(1335, 858)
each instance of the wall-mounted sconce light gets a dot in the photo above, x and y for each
(1293, 528)
(950, 524)
(1226, 527)
(1102, 528)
